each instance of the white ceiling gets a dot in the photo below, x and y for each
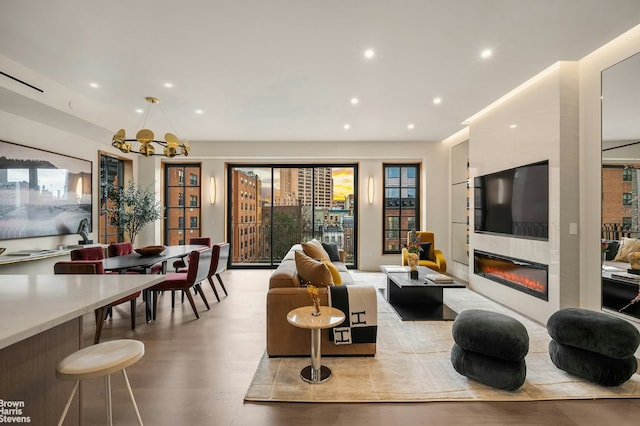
(281, 70)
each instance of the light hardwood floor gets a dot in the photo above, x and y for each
(196, 372)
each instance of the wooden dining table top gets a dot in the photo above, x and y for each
(135, 260)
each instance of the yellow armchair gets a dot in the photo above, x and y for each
(436, 259)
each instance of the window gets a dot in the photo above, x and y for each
(627, 198)
(627, 174)
(627, 223)
(112, 171)
(179, 217)
(401, 204)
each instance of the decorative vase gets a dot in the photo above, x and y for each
(412, 261)
(413, 274)
(316, 305)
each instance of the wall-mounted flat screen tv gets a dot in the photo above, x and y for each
(42, 193)
(514, 202)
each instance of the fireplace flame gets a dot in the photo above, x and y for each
(516, 279)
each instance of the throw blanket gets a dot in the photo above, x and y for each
(360, 308)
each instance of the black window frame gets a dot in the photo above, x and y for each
(390, 203)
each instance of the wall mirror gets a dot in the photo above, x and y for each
(620, 231)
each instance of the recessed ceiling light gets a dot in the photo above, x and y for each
(139, 110)
(94, 85)
(486, 53)
(347, 126)
(169, 85)
(437, 101)
(199, 111)
(513, 126)
(355, 101)
(410, 126)
(369, 53)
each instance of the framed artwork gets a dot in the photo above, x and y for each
(42, 193)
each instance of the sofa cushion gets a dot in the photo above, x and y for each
(314, 249)
(335, 274)
(312, 271)
(628, 246)
(332, 251)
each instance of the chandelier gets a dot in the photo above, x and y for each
(145, 140)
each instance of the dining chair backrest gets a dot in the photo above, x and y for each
(88, 253)
(78, 267)
(205, 241)
(220, 258)
(119, 249)
(198, 269)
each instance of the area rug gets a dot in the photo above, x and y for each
(412, 364)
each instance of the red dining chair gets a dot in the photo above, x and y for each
(96, 267)
(205, 241)
(219, 260)
(197, 270)
(87, 253)
(125, 248)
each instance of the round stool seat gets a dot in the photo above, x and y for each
(100, 359)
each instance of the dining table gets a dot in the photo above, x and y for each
(121, 264)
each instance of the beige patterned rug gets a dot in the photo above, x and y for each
(412, 365)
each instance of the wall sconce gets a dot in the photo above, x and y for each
(212, 190)
(371, 190)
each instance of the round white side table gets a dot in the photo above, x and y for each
(303, 317)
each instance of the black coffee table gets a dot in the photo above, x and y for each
(417, 300)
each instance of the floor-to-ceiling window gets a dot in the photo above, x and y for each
(182, 202)
(401, 204)
(273, 207)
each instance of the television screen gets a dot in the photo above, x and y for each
(514, 202)
(42, 193)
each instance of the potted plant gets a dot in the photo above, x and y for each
(131, 208)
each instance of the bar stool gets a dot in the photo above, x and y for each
(101, 360)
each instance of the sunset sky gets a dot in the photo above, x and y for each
(342, 182)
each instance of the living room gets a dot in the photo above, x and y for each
(557, 113)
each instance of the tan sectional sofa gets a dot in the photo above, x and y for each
(286, 293)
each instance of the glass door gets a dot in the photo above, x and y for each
(273, 207)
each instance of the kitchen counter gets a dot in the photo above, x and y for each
(41, 323)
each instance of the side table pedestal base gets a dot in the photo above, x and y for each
(310, 375)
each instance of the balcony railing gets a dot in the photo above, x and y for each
(267, 244)
(616, 231)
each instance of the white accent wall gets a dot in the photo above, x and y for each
(546, 115)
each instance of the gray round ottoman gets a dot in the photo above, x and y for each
(490, 348)
(593, 345)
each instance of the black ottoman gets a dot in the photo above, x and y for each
(490, 348)
(593, 345)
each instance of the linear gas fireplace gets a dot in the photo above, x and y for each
(523, 275)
